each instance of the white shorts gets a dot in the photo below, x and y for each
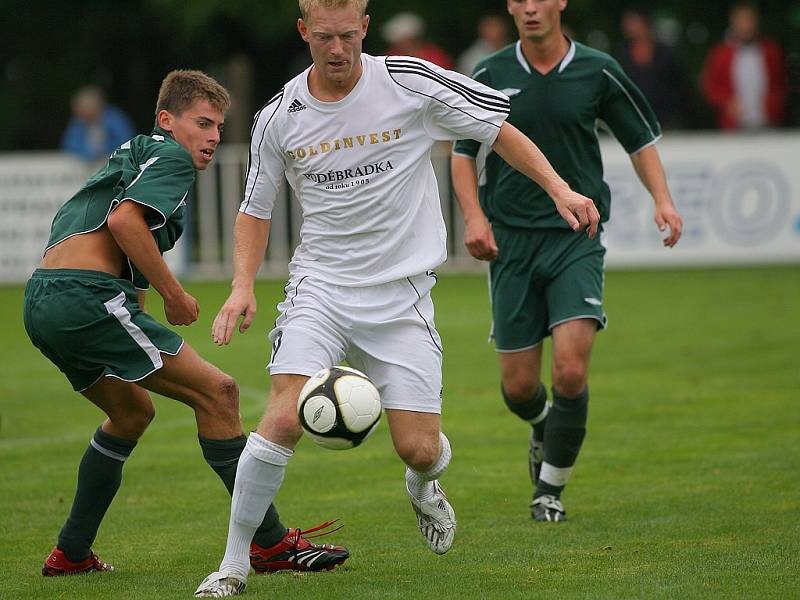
(386, 331)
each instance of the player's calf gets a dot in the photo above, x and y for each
(134, 422)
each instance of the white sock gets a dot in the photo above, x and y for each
(258, 478)
(555, 476)
(420, 485)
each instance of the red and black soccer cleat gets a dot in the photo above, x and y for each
(294, 552)
(58, 564)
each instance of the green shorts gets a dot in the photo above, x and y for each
(541, 278)
(90, 325)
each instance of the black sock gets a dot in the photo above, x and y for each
(566, 429)
(223, 457)
(530, 409)
(99, 478)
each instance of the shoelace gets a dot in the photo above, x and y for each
(298, 533)
(99, 564)
(433, 520)
(550, 502)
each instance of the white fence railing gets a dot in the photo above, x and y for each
(739, 196)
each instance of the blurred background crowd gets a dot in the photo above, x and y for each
(82, 75)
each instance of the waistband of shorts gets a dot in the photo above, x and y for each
(537, 230)
(529, 230)
(84, 274)
(318, 280)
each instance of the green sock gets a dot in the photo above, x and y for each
(223, 457)
(534, 410)
(99, 478)
(566, 429)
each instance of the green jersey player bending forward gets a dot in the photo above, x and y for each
(84, 309)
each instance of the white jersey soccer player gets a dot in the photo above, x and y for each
(361, 167)
(352, 135)
(361, 171)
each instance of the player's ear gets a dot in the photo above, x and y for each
(164, 120)
(364, 26)
(302, 29)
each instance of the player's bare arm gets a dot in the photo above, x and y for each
(478, 236)
(647, 164)
(128, 226)
(522, 154)
(250, 236)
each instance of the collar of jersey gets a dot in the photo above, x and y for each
(339, 104)
(558, 69)
(162, 132)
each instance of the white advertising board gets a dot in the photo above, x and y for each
(738, 194)
(32, 188)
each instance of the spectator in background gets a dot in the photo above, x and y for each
(492, 35)
(744, 77)
(654, 68)
(96, 129)
(405, 33)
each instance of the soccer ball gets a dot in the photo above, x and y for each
(339, 408)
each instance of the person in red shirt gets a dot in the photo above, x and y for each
(744, 77)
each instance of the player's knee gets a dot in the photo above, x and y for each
(224, 398)
(519, 389)
(418, 453)
(228, 394)
(569, 380)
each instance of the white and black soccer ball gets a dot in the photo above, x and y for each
(339, 408)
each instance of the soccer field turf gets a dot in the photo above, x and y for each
(688, 484)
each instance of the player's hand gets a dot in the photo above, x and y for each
(578, 211)
(241, 303)
(182, 309)
(667, 217)
(479, 238)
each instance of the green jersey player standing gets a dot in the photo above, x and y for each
(545, 279)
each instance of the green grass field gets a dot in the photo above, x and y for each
(688, 485)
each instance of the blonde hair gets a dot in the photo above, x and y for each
(307, 5)
(181, 88)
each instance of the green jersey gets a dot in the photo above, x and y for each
(155, 171)
(559, 111)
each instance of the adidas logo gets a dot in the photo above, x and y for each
(296, 106)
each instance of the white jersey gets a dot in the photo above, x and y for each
(361, 167)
